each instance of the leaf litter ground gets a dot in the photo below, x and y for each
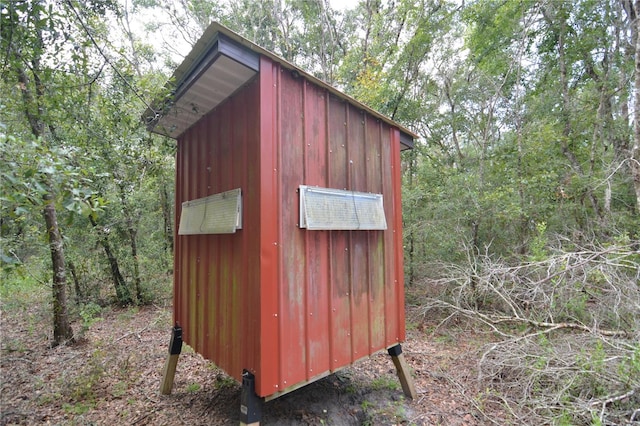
(112, 376)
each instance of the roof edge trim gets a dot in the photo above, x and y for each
(187, 74)
(221, 45)
(238, 53)
(406, 140)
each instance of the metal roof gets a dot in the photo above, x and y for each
(219, 64)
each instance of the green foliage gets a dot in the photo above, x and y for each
(17, 283)
(193, 387)
(91, 146)
(630, 366)
(30, 168)
(537, 246)
(385, 382)
(90, 314)
(78, 409)
(366, 405)
(81, 392)
(225, 382)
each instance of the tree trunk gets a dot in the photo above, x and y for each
(410, 212)
(132, 232)
(122, 292)
(635, 151)
(62, 331)
(166, 216)
(134, 255)
(32, 94)
(76, 283)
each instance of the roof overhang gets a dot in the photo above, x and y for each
(207, 77)
(220, 63)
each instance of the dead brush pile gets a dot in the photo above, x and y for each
(568, 327)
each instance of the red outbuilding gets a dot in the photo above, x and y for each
(288, 253)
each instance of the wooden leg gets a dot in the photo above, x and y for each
(169, 372)
(250, 403)
(402, 369)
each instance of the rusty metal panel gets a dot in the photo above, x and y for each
(318, 342)
(376, 278)
(339, 277)
(357, 240)
(248, 295)
(292, 252)
(212, 296)
(397, 234)
(201, 263)
(268, 375)
(338, 290)
(178, 299)
(391, 294)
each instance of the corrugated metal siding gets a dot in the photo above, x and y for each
(267, 377)
(339, 293)
(217, 276)
(286, 303)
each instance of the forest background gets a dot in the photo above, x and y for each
(521, 198)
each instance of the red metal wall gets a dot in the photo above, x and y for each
(216, 284)
(332, 297)
(288, 304)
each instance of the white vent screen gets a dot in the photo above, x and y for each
(216, 214)
(335, 209)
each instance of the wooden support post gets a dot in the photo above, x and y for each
(250, 402)
(402, 368)
(175, 347)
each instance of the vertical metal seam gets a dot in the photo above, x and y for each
(268, 379)
(188, 334)
(278, 196)
(227, 239)
(368, 256)
(203, 282)
(398, 234)
(202, 266)
(246, 355)
(384, 246)
(330, 234)
(306, 284)
(350, 233)
(204, 325)
(193, 275)
(177, 298)
(186, 271)
(218, 270)
(215, 252)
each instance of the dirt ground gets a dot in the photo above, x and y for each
(112, 376)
